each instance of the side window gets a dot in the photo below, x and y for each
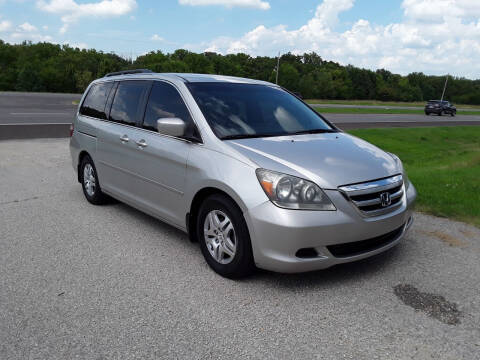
(165, 102)
(127, 102)
(94, 103)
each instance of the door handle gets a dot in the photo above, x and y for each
(141, 143)
(124, 138)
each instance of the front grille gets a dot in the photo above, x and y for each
(364, 246)
(376, 197)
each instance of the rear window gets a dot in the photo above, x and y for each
(94, 103)
(127, 102)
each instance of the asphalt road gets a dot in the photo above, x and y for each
(109, 282)
(385, 107)
(48, 108)
(35, 108)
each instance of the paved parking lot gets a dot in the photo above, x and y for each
(79, 281)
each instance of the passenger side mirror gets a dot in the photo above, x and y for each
(171, 126)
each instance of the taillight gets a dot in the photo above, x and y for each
(71, 129)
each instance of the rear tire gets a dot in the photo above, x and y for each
(440, 113)
(90, 184)
(452, 114)
(224, 238)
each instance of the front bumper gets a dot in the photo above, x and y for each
(278, 234)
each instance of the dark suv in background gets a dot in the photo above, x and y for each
(440, 108)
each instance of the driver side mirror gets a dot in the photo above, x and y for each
(171, 126)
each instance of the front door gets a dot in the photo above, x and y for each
(161, 184)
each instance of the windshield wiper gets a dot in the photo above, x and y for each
(314, 131)
(247, 136)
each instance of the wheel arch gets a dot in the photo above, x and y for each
(81, 156)
(198, 198)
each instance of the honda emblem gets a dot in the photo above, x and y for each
(385, 199)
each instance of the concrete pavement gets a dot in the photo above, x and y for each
(109, 282)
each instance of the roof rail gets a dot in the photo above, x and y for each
(126, 72)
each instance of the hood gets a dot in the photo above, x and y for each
(330, 160)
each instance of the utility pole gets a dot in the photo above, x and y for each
(444, 88)
(278, 68)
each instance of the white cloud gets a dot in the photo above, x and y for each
(74, 45)
(438, 10)
(447, 41)
(258, 4)
(22, 32)
(27, 31)
(71, 11)
(27, 27)
(35, 37)
(5, 25)
(156, 37)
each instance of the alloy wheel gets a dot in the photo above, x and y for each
(89, 180)
(219, 236)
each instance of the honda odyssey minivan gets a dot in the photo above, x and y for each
(246, 168)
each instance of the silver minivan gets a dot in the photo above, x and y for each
(246, 168)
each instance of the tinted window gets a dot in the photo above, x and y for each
(127, 102)
(94, 103)
(251, 110)
(164, 102)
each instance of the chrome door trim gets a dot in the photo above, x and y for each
(142, 129)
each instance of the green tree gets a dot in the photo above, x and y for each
(62, 68)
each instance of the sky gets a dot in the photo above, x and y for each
(431, 36)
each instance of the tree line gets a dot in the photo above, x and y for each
(61, 68)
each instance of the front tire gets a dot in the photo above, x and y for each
(224, 238)
(90, 184)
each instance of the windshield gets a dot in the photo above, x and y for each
(249, 110)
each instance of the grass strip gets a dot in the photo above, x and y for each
(380, 103)
(383, 111)
(442, 162)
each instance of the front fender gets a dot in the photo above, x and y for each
(223, 172)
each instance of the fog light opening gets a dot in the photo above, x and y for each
(306, 253)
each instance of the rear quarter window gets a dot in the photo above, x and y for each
(95, 101)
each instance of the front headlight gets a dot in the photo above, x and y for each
(291, 192)
(406, 181)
